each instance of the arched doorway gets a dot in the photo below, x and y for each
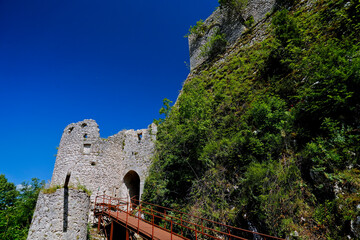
(132, 182)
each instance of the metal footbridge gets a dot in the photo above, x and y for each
(151, 221)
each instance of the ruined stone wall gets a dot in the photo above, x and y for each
(60, 215)
(116, 166)
(101, 164)
(230, 23)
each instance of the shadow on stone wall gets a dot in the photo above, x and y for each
(66, 209)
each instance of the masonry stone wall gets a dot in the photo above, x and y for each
(101, 164)
(61, 215)
(230, 23)
(116, 166)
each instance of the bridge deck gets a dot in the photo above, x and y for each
(143, 228)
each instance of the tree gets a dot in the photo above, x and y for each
(8, 193)
(17, 207)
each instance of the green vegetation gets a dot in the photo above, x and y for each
(83, 188)
(88, 230)
(237, 5)
(17, 207)
(198, 30)
(215, 45)
(249, 21)
(285, 3)
(53, 189)
(166, 109)
(270, 135)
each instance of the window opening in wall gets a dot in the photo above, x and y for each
(83, 125)
(85, 136)
(139, 136)
(70, 129)
(87, 148)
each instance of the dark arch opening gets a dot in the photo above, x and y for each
(132, 182)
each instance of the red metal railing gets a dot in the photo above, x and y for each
(179, 224)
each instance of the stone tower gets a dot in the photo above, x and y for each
(112, 166)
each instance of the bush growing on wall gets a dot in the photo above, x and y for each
(215, 45)
(237, 5)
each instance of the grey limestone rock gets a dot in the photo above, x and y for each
(230, 23)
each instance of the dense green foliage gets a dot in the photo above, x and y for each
(17, 207)
(271, 134)
(237, 5)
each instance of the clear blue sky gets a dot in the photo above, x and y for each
(62, 61)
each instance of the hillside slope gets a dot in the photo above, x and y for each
(267, 135)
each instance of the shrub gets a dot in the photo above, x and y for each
(199, 29)
(249, 21)
(237, 5)
(215, 45)
(285, 27)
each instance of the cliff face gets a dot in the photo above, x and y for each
(228, 21)
(265, 132)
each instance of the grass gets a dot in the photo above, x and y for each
(53, 189)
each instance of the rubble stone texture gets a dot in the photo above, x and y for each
(116, 166)
(60, 215)
(101, 164)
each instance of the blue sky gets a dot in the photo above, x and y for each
(62, 61)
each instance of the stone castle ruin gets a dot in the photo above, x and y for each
(116, 166)
(111, 166)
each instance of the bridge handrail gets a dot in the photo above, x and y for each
(116, 203)
(204, 219)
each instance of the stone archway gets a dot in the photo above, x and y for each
(132, 182)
